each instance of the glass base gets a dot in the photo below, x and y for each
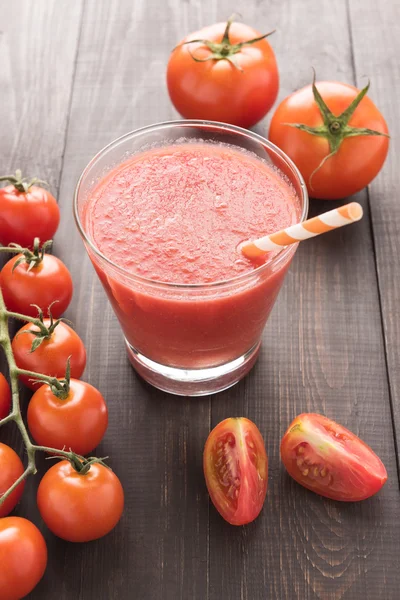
(192, 382)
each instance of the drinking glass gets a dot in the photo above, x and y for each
(189, 339)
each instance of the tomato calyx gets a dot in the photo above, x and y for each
(32, 258)
(44, 332)
(224, 50)
(79, 463)
(22, 184)
(335, 128)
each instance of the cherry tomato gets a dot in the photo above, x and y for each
(5, 397)
(23, 557)
(238, 85)
(50, 358)
(11, 468)
(330, 460)
(26, 215)
(77, 422)
(80, 508)
(236, 470)
(356, 161)
(48, 282)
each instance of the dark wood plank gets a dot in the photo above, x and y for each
(154, 441)
(376, 35)
(38, 44)
(323, 352)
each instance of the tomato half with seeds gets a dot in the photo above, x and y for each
(330, 460)
(236, 470)
(5, 397)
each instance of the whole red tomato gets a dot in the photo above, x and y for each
(11, 468)
(80, 507)
(229, 73)
(26, 211)
(23, 557)
(5, 397)
(330, 460)
(236, 470)
(77, 422)
(50, 358)
(334, 134)
(47, 282)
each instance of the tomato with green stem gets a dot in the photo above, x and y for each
(80, 506)
(75, 418)
(45, 348)
(34, 278)
(225, 72)
(334, 134)
(26, 211)
(11, 468)
(5, 397)
(236, 470)
(330, 460)
(23, 557)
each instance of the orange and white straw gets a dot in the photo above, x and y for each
(344, 215)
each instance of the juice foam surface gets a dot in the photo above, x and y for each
(177, 214)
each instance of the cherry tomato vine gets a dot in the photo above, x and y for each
(59, 387)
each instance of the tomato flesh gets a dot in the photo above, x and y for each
(236, 470)
(330, 460)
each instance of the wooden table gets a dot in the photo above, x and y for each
(74, 76)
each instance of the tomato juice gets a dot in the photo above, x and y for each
(170, 220)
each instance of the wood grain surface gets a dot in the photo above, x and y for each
(75, 76)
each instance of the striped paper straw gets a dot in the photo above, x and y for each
(349, 213)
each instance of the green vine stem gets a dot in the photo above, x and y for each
(81, 464)
(22, 184)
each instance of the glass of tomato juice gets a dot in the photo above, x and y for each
(162, 212)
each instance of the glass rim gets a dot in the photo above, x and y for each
(279, 257)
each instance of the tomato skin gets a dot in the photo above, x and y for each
(5, 397)
(11, 468)
(80, 508)
(236, 470)
(50, 358)
(215, 90)
(330, 460)
(358, 160)
(47, 282)
(23, 557)
(78, 423)
(26, 215)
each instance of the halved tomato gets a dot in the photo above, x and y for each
(236, 470)
(330, 460)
